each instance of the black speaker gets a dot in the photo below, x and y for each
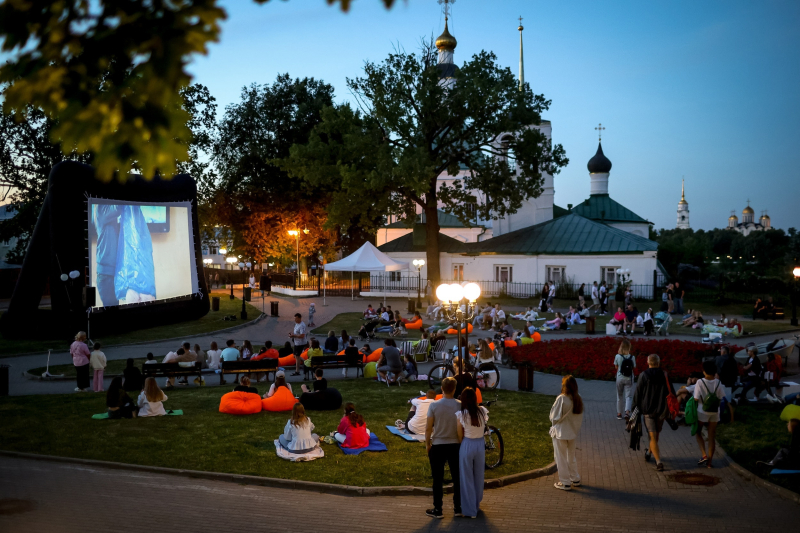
(89, 297)
(266, 283)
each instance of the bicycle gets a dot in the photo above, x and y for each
(486, 373)
(493, 442)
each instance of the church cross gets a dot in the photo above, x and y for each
(446, 9)
(600, 129)
(520, 20)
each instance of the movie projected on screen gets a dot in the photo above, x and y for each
(140, 252)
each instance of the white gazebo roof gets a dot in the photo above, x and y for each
(366, 259)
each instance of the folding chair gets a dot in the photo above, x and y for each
(421, 352)
(406, 347)
(440, 349)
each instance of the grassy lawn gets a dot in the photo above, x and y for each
(351, 322)
(204, 439)
(211, 322)
(756, 435)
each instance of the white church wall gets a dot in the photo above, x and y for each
(385, 235)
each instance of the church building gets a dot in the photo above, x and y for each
(541, 242)
(748, 224)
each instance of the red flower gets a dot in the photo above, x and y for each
(593, 358)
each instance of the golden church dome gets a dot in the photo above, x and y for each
(446, 41)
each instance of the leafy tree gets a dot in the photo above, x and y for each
(411, 128)
(109, 72)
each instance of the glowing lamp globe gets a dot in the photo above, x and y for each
(443, 292)
(472, 291)
(796, 272)
(456, 292)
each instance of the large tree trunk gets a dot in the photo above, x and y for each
(432, 240)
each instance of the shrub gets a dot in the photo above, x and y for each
(593, 358)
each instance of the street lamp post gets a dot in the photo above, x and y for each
(419, 263)
(231, 260)
(296, 234)
(244, 267)
(451, 296)
(796, 273)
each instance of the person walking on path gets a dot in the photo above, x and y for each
(299, 342)
(80, 358)
(707, 394)
(566, 417)
(595, 298)
(603, 293)
(651, 401)
(98, 361)
(472, 454)
(441, 441)
(625, 363)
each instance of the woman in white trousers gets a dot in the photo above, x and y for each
(566, 417)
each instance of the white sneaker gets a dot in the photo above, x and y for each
(771, 399)
(78, 389)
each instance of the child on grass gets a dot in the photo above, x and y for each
(151, 399)
(352, 431)
(98, 362)
(297, 436)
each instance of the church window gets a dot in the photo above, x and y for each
(458, 272)
(394, 276)
(503, 273)
(557, 274)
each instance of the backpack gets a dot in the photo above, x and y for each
(729, 371)
(626, 368)
(710, 400)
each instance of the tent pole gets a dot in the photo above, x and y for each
(384, 288)
(351, 286)
(324, 287)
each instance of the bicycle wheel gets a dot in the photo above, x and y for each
(493, 440)
(438, 373)
(491, 376)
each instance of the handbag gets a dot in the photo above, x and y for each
(673, 407)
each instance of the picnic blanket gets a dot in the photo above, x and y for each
(104, 416)
(283, 453)
(781, 472)
(374, 446)
(708, 328)
(405, 436)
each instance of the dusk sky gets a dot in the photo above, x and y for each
(707, 90)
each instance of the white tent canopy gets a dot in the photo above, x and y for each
(366, 259)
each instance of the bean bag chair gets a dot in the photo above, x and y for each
(340, 353)
(536, 336)
(789, 412)
(370, 370)
(328, 400)
(417, 324)
(509, 343)
(374, 357)
(304, 355)
(491, 346)
(468, 329)
(286, 361)
(282, 400)
(240, 403)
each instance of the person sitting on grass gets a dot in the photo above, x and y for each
(524, 337)
(696, 317)
(352, 431)
(244, 386)
(399, 327)
(410, 371)
(556, 322)
(133, 377)
(280, 381)
(369, 313)
(787, 458)
(417, 418)
(118, 402)
(151, 400)
(574, 317)
(297, 436)
(331, 343)
(320, 383)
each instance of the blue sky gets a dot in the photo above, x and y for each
(707, 90)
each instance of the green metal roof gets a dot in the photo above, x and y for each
(406, 244)
(567, 235)
(446, 220)
(559, 211)
(602, 208)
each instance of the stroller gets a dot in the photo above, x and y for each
(661, 323)
(367, 330)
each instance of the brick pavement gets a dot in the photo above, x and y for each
(620, 492)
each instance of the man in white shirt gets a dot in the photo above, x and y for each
(595, 296)
(417, 419)
(602, 293)
(498, 315)
(299, 342)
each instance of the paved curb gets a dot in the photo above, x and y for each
(753, 478)
(325, 488)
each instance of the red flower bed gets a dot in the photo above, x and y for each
(593, 358)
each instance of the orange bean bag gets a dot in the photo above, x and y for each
(340, 353)
(509, 344)
(282, 400)
(304, 355)
(374, 357)
(240, 403)
(286, 361)
(417, 324)
(468, 329)
(537, 336)
(491, 346)
(477, 394)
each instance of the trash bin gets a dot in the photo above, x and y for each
(273, 308)
(525, 377)
(412, 305)
(4, 380)
(247, 293)
(215, 303)
(590, 324)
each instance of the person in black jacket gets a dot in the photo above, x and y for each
(134, 382)
(787, 458)
(753, 375)
(651, 400)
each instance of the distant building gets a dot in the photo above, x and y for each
(683, 211)
(748, 224)
(6, 246)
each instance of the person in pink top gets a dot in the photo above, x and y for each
(352, 431)
(618, 320)
(80, 358)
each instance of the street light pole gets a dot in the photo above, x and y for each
(244, 266)
(419, 263)
(796, 273)
(231, 260)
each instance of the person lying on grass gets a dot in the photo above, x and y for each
(151, 400)
(787, 458)
(297, 436)
(280, 381)
(352, 431)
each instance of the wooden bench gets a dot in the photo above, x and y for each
(171, 370)
(336, 361)
(267, 365)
